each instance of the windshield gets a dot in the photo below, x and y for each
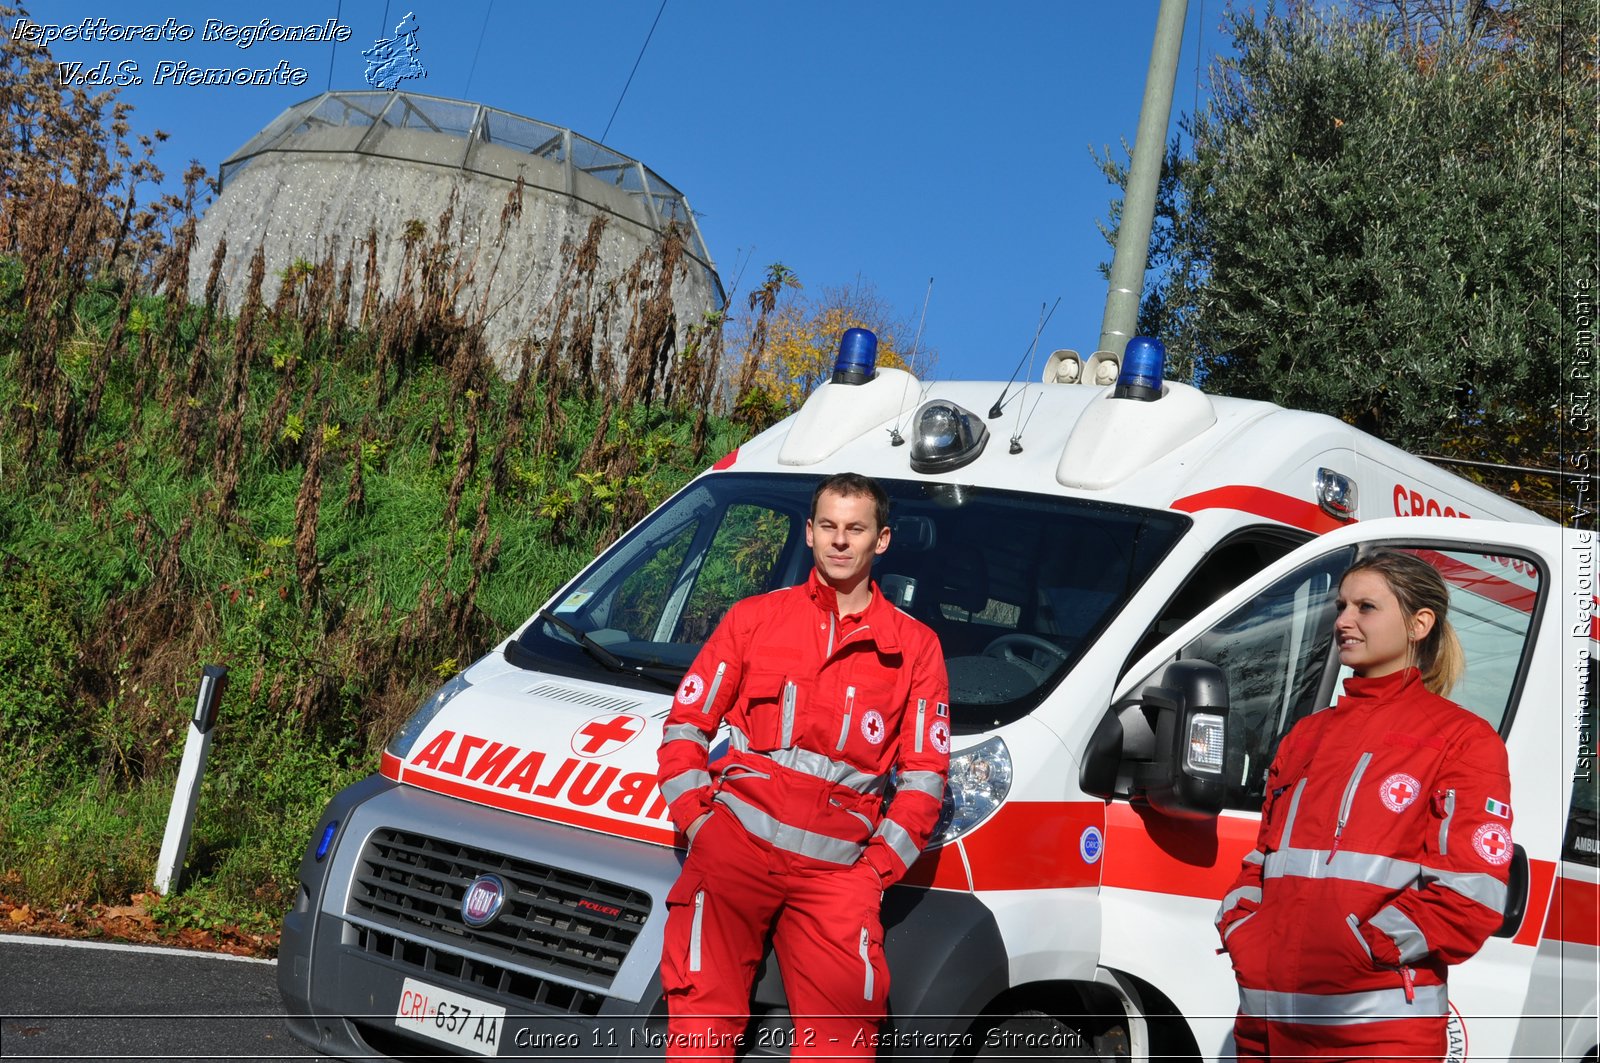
(1017, 586)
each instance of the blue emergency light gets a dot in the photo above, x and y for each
(326, 842)
(858, 357)
(1143, 363)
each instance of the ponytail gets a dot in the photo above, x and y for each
(1417, 585)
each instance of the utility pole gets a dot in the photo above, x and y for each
(1144, 175)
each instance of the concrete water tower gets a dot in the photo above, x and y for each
(330, 168)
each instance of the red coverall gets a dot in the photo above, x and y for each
(820, 709)
(1383, 857)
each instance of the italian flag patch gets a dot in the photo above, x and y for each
(1497, 808)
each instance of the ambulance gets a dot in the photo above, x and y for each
(1132, 583)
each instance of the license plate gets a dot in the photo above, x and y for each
(455, 1019)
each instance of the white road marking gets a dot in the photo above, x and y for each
(158, 950)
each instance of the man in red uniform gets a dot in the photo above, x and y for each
(826, 689)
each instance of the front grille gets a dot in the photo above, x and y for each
(554, 921)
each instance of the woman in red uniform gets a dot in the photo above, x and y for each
(1385, 843)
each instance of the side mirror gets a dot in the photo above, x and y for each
(1168, 745)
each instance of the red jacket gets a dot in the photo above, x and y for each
(821, 709)
(1383, 857)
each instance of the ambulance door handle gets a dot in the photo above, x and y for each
(1516, 893)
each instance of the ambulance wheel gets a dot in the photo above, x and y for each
(1035, 1035)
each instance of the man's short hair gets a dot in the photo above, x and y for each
(853, 485)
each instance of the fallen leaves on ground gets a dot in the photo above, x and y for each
(136, 922)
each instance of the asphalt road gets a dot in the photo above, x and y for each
(82, 1001)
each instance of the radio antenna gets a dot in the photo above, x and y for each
(1044, 319)
(895, 438)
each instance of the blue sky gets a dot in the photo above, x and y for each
(886, 141)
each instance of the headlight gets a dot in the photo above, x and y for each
(980, 778)
(400, 745)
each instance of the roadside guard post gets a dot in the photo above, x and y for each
(186, 795)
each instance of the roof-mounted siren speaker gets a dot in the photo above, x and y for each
(1063, 367)
(857, 362)
(1143, 361)
(1100, 370)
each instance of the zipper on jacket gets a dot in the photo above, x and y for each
(866, 963)
(716, 681)
(1349, 799)
(695, 929)
(1408, 978)
(849, 711)
(830, 635)
(922, 712)
(788, 714)
(1444, 827)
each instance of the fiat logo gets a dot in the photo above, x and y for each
(483, 901)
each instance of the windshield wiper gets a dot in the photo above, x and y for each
(604, 656)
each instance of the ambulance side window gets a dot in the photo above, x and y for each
(1581, 843)
(1274, 651)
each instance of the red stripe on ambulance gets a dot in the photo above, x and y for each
(1285, 509)
(1187, 858)
(1574, 913)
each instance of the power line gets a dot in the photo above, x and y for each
(646, 44)
(337, 11)
(478, 49)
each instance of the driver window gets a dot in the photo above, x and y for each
(1274, 651)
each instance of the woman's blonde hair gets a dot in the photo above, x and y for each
(1417, 585)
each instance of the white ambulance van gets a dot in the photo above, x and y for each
(1132, 586)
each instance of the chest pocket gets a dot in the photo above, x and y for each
(1403, 783)
(866, 722)
(772, 703)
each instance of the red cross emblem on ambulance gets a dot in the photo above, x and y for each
(606, 734)
(1399, 791)
(1493, 843)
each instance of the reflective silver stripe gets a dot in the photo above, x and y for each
(1350, 792)
(849, 710)
(1349, 866)
(830, 636)
(1231, 901)
(738, 740)
(1345, 865)
(1344, 1009)
(829, 770)
(922, 711)
(923, 782)
(696, 928)
(1485, 889)
(716, 681)
(1406, 935)
(1235, 926)
(898, 840)
(788, 714)
(683, 782)
(1444, 828)
(687, 732)
(1294, 810)
(1255, 856)
(1355, 928)
(866, 961)
(793, 839)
